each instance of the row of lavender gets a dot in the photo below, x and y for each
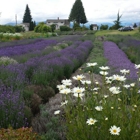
(118, 60)
(44, 69)
(23, 49)
(38, 70)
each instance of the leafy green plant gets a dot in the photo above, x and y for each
(106, 110)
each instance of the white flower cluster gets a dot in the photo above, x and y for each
(11, 34)
(4, 60)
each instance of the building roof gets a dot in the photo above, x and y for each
(58, 20)
(94, 24)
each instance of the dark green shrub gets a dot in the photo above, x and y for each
(45, 93)
(103, 27)
(19, 29)
(65, 28)
(53, 27)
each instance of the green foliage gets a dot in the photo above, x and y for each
(135, 25)
(65, 28)
(19, 29)
(77, 13)
(117, 22)
(42, 28)
(18, 134)
(32, 26)
(91, 27)
(103, 27)
(50, 126)
(53, 27)
(105, 107)
(7, 29)
(96, 55)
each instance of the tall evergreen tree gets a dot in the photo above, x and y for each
(77, 13)
(27, 18)
(135, 25)
(117, 22)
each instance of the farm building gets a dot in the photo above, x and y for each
(58, 22)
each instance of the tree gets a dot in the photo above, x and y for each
(135, 25)
(103, 27)
(117, 22)
(27, 18)
(77, 13)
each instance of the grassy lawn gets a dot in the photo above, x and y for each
(114, 32)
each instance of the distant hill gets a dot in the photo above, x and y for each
(11, 23)
(88, 23)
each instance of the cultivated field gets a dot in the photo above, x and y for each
(70, 86)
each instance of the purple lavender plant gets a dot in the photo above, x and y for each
(11, 108)
(22, 49)
(118, 59)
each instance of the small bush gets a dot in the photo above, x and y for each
(65, 28)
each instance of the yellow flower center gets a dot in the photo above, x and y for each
(79, 78)
(92, 121)
(115, 131)
(78, 91)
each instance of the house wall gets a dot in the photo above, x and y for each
(58, 24)
(94, 28)
(26, 27)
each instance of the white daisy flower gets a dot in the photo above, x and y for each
(60, 87)
(64, 103)
(118, 78)
(65, 91)
(67, 82)
(114, 130)
(104, 68)
(137, 66)
(95, 89)
(78, 90)
(80, 95)
(79, 77)
(124, 71)
(85, 82)
(91, 121)
(105, 96)
(103, 73)
(132, 84)
(115, 90)
(91, 64)
(57, 112)
(126, 86)
(99, 108)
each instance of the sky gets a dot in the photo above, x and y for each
(96, 10)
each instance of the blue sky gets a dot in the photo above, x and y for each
(95, 10)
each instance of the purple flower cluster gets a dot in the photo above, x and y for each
(132, 42)
(54, 65)
(11, 108)
(23, 49)
(118, 60)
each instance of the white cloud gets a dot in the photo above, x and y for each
(96, 11)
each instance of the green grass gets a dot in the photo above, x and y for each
(114, 32)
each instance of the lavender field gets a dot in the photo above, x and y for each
(31, 71)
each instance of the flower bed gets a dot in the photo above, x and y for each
(118, 60)
(22, 49)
